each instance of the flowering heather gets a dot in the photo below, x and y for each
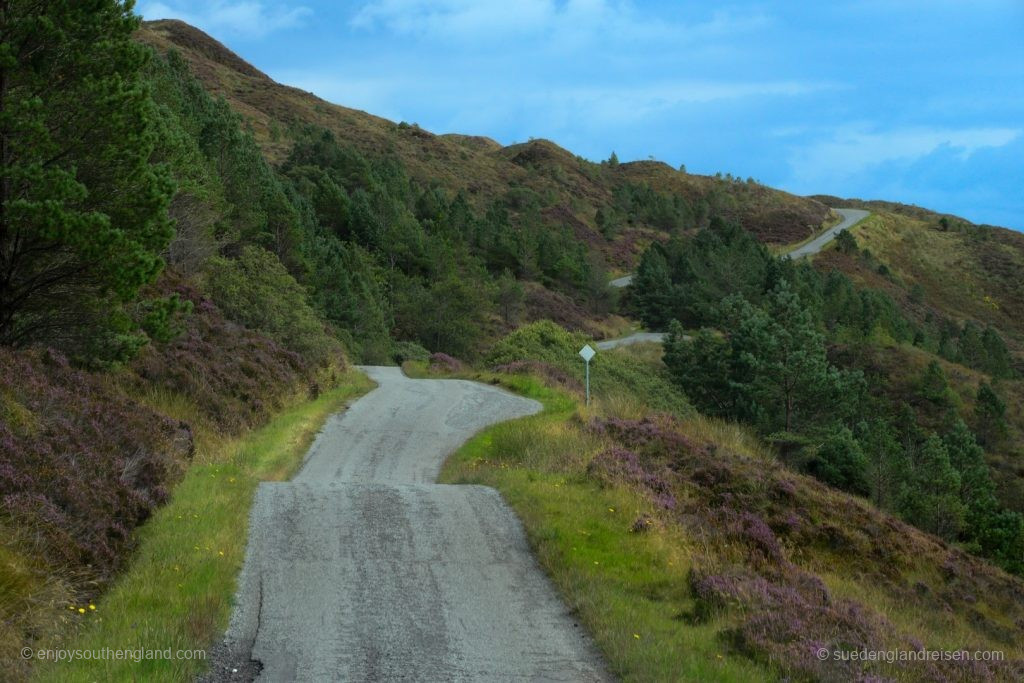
(620, 464)
(236, 377)
(80, 464)
(442, 362)
(773, 608)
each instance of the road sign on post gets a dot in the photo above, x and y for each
(587, 353)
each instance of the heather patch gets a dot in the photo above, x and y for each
(442, 362)
(771, 604)
(88, 465)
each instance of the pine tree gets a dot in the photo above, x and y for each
(997, 357)
(83, 211)
(931, 497)
(990, 413)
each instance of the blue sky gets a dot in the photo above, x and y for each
(919, 101)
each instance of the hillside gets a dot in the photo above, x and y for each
(573, 188)
(823, 453)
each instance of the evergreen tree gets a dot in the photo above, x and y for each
(846, 243)
(887, 464)
(997, 360)
(840, 462)
(791, 380)
(990, 413)
(930, 499)
(700, 366)
(972, 348)
(83, 208)
(652, 290)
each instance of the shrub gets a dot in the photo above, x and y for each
(257, 291)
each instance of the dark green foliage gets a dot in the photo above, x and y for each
(996, 360)
(840, 461)
(256, 291)
(981, 350)
(934, 386)
(990, 413)
(83, 206)
(163, 319)
(685, 280)
(887, 463)
(930, 499)
(846, 242)
(701, 366)
(510, 296)
(780, 372)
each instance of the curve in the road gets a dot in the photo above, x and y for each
(850, 218)
(363, 569)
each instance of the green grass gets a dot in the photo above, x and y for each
(177, 592)
(629, 589)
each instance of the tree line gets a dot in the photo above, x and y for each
(762, 355)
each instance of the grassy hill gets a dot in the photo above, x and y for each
(573, 188)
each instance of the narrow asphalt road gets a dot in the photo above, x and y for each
(363, 569)
(850, 218)
(635, 338)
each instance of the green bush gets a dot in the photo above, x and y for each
(408, 350)
(613, 372)
(255, 290)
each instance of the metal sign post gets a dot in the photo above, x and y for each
(587, 353)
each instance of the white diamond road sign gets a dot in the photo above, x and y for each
(587, 352)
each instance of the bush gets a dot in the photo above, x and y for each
(257, 291)
(407, 350)
(612, 372)
(80, 464)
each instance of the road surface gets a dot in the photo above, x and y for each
(363, 569)
(635, 338)
(850, 218)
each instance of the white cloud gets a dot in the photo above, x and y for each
(570, 21)
(247, 18)
(854, 149)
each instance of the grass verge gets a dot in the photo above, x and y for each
(629, 588)
(177, 593)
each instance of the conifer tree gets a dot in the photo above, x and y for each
(83, 210)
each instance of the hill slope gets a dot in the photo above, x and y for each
(481, 168)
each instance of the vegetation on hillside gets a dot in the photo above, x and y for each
(690, 552)
(763, 356)
(187, 249)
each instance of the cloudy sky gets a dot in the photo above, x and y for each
(919, 101)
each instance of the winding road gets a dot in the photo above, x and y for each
(364, 569)
(850, 218)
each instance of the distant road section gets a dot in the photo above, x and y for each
(850, 218)
(635, 338)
